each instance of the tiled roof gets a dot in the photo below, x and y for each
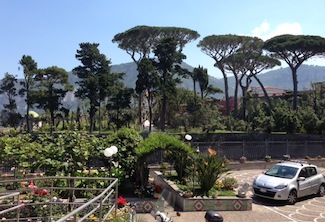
(271, 91)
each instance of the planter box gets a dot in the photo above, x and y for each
(146, 205)
(172, 194)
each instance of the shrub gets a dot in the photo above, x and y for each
(229, 183)
(209, 169)
(219, 184)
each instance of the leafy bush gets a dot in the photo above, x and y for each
(177, 152)
(209, 169)
(229, 183)
(126, 140)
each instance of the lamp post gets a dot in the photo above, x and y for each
(109, 152)
(188, 137)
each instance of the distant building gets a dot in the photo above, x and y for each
(270, 90)
(255, 90)
(223, 106)
(319, 88)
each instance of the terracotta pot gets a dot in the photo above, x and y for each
(157, 195)
(188, 195)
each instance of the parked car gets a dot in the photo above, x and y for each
(289, 181)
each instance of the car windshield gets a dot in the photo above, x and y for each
(282, 171)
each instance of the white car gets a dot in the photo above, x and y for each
(289, 181)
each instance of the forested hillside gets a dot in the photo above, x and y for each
(280, 78)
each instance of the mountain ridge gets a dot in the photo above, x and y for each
(280, 78)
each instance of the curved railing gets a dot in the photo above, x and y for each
(78, 209)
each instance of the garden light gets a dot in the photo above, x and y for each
(109, 152)
(188, 137)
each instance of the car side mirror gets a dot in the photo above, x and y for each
(301, 179)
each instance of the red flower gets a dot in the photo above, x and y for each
(41, 192)
(121, 201)
(158, 189)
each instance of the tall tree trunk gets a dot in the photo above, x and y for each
(225, 80)
(78, 118)
(265, 93)
(295, 88)
(244, 90)
(52, 121)
(92, 113)
(100, 117)
(194, 88)
(236, 97)
(150, 110)
(140, 109)
(163, 113)
(202, 94)
(27, 110)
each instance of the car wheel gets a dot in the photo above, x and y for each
(321, 191)
(292, 198)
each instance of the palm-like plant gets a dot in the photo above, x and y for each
(209, 168)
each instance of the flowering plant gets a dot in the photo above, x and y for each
(243, 159)
(158, 189)
(121, 202)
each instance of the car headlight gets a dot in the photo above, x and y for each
(281, 186)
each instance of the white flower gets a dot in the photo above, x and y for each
(55, 198)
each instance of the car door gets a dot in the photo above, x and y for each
(303, 185)
(313, 179)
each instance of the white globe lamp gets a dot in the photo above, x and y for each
(188, 137)
(108, 152)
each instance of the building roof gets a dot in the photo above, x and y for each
(271, 91)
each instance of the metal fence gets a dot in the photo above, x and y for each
(256, 150)
(22, 200)
(233, 150)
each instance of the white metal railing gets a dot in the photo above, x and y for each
(104, 202)
(101, 198)
(14, 207)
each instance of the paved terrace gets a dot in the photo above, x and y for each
(311, 209)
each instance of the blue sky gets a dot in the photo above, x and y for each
(50, 31)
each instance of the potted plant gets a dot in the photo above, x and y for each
(243, 159)
(157, 191)
(187, 193)
(163, 167)
(286, 157)
(268, 158)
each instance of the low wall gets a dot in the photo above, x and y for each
(172, 194)
(147, 205)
